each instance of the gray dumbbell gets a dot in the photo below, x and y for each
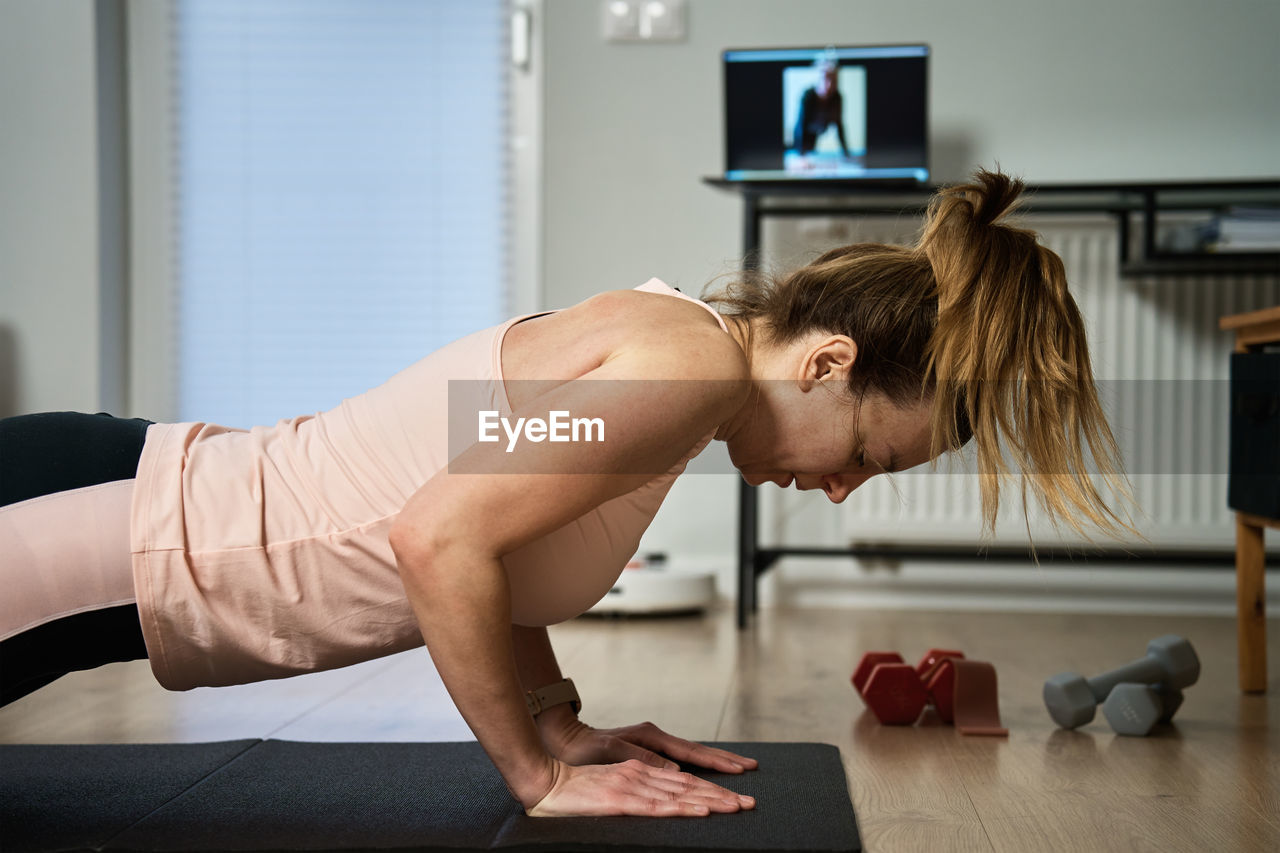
(1134, 709)
(1072, 700)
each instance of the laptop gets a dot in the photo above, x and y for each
(848, 114)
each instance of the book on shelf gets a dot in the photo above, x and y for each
(1245, 229)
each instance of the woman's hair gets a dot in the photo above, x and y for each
(975, 318)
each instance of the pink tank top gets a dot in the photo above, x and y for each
(263, 553)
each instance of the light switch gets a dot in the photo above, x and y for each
(643, 20)
(620, 20)
(662, 20)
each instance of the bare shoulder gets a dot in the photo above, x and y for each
(662, 336)
(679, 338)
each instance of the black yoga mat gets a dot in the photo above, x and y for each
(288, 796)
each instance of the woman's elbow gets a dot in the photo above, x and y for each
(414, 545)
(440, 567)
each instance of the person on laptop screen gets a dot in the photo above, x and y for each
(821, 107)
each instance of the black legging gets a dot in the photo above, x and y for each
(54, 452)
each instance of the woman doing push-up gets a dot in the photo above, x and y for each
(426, 510)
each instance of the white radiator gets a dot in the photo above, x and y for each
(1163, 369)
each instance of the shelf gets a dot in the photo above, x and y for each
(1252, 263)
(1124, 201)
(1129, 195)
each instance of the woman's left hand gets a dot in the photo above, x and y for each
(574, 742)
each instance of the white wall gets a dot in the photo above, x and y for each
(49, 253)
(1089, 90)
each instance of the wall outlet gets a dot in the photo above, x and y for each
(643, 20)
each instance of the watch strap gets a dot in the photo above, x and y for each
(553, 694)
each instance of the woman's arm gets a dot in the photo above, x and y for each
(451, 535)
(537, 666)
(460, 597)
(535, 658)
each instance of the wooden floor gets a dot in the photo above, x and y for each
(1210, 782)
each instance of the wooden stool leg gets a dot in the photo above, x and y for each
(1251, 617)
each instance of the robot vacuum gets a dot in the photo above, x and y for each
(648, 587)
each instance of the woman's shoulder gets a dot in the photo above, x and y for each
(667, 328)
(665, 336)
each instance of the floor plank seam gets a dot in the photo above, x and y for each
(724, 705)
(981, 824)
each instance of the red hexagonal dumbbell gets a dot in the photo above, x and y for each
(895, 694)
(938, 675)
(941, 687)
(893, 699)
(933, 657)
(869, 662)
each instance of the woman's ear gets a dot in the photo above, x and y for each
(830, 359)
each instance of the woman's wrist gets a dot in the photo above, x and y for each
(556, 725)
(534, 784)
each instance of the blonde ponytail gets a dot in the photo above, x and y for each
(1008, 355)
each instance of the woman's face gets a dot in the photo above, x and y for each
(811, 432)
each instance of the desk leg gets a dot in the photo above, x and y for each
(748, 513)
(1251, 616)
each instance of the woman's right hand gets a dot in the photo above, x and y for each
(633, 788)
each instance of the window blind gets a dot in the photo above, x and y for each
(341, 195)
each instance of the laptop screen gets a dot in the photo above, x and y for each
(843, 113)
